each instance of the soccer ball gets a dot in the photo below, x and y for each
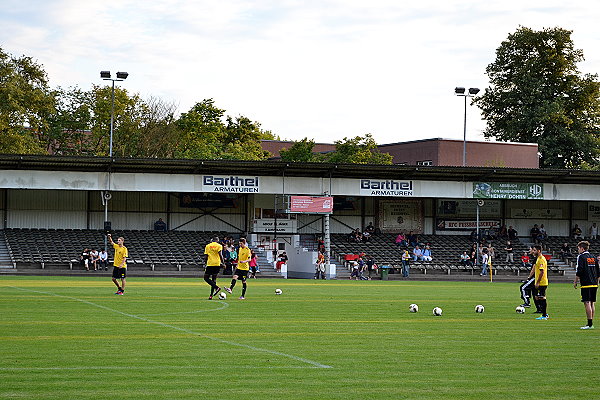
(479, 308)
(520, 310)
(222, 296)
(278, 291)
(437, 311)
(413, 308)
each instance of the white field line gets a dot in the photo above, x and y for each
(190, 332)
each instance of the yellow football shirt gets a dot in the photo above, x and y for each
(541, 265)
(243, 254)
(121, 253)
(213, 249)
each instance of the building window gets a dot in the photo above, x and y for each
(426, 162)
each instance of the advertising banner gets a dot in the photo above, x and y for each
(537, 213)
(401, 215)
(208, 200)
(311, 205)
(593, 211)
(230, 184)
(389, 187)
(468, 208)
(268, 225)
(499, 190)
(466, 225)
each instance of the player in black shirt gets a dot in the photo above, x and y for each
(587, 274)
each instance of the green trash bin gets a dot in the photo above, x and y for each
(385, 270)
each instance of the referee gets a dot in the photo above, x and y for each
(587, 274)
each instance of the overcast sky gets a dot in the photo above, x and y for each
(324, 69)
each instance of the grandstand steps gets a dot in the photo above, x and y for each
(5, 260)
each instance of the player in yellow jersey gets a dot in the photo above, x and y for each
(243, 266)
(119, 263)
(213, 259)
(540, 270)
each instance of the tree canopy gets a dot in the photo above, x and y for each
(538, 95)
(357, 150)
(26, 102)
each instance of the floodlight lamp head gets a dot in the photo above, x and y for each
(122, 75)
(473, 91)
(459, 90)
(105, 74)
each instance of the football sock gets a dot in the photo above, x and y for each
(233, 282)
(243, 289)
(543, 304)
(538, 306)
(590, 322)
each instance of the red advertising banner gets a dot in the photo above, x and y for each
(308, 204)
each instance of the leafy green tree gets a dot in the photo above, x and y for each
(26, 101)
(537, 95)
(242, 140)
(68, 130)
(301, 151)
(358, 150)
(202, 131)
(204, 135)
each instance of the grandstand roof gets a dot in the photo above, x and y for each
(278, 168)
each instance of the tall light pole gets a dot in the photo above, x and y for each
(106, 196)
(121, 76)
(460, 91)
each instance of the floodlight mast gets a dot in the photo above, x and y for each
(460, 91)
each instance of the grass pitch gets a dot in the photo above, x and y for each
(72, 338)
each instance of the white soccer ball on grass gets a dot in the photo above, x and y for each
(520, 310)
(413, 308)
(222, 296)
(278, 291)
(437, 312)
(479, 308)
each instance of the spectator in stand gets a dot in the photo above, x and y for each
(525, 260)
(473, 254)
(405, 264)
(485, 259)
(576, 232)
(370, 229)
(417, 253)
(321, 245)
(103, 259)
(282, 259)
(474, 235)
(513, 235)
(491, 251)
(565, 252)
(401, 240)
(593, 231)
(366, 237)
(84, 259)
(534, 233)
(427, 254)
(509, 252)
(543, 234)
(160, 225)
(465, 260)
(320, 266)
(503, 232)
(94, 257)
(253, 264)
(412, 239)
(371, 266)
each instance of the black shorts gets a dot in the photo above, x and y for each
(119, 273)
(540, 291)
(588, 294)
(212, 269)
(241, 273)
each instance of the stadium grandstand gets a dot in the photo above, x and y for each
(54, 207)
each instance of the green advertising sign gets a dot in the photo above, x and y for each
(499, 190)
